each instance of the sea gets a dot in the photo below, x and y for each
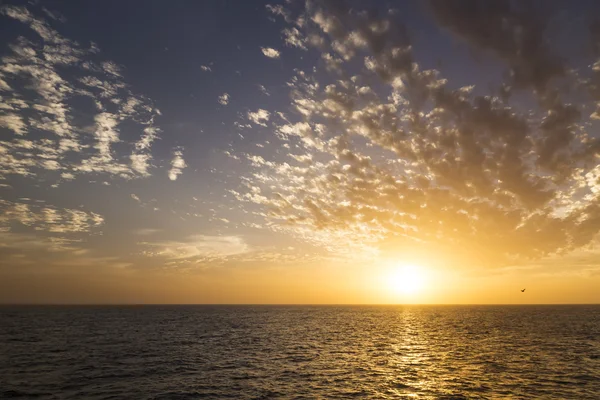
(300, 352)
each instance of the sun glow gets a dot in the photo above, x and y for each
(406, 280)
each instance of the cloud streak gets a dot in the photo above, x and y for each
(196, 249)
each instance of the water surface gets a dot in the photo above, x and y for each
(262, 352)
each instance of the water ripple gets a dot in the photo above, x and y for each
(254, 352)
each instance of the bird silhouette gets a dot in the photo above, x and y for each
(522, 290)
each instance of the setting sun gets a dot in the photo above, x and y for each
(406, 280)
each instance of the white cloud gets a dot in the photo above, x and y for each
(26, 242)
(38, 66)
(140, 163)
(270, 52)
(13, 122)
(260, 117)
(112, 68)
(39, 26)
(293, 38)
(224, 99)
(3, 85)
(150, 134)
(146, 231)
(46, 218)
(394, 157)
(106, 134)
(279, 10)
(264, 90)
(177, 165)
(140, 158)
(199, 247)
(55, 15)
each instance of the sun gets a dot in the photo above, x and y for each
(406, 280)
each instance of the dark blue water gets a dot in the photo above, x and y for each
(262, 352)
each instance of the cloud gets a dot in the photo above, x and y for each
(279, 10)
(200, 248)
(224, 99)
(54, 15)
(492, 26)
(112, 68)
(146, 231)
(29, 243)
(44, 83)
(270, 52)
(177, 165)
(293, 38)
(39, 26)
(47, 218)
(264, 90)
(140, 163)
(149, 136)
(101, 261)
(392, 158)
(13, 122)
(260, 117)
(106, 134)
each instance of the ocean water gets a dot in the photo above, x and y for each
(303, 352)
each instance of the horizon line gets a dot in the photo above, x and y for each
(298, 304)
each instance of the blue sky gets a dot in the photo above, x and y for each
(191, 136)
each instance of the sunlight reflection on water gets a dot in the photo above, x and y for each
(425, 352)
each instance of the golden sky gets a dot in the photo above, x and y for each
(300, 153)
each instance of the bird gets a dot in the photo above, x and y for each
(522, 290)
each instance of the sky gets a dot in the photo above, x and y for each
(357, 152)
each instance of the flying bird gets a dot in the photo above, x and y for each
(522, 290)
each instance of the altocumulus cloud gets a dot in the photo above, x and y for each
(41, 94)
(29, 226)
(390, 155)
(66, 113)
(47, 218)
